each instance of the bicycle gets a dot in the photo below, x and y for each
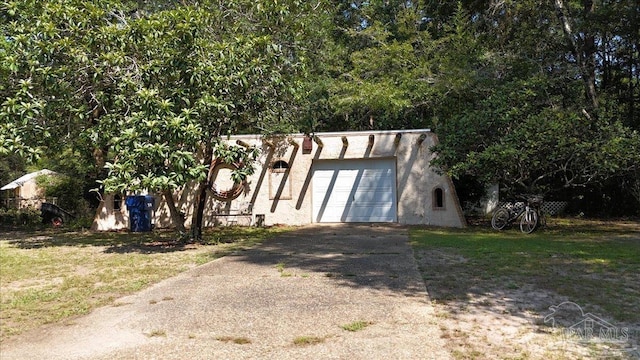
(529, 214)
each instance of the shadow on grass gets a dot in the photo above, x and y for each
(594, 264)
(590, 263)
(581, 276)
(567, 226)
(159, 241)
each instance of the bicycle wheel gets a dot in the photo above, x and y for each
(529, 221)
(500, 219)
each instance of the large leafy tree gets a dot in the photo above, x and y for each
(52, 74)
(225, 80)
(539, 124)
(537, 96)
(378, 74)
(144, 88)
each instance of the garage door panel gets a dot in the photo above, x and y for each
(367, 214)
(354, 191)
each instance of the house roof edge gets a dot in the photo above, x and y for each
(337, 133)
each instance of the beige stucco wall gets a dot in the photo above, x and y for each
(108, 218)
(415, 181)
(30, 195)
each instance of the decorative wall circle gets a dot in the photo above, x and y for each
(217, 191)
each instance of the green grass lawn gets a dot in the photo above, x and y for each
(596, 264)
(50, 276)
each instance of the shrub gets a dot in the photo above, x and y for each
(66, 189)
(27, 217)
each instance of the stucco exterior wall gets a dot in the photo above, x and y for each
(29, 195)
(285, 197)
(109, 218)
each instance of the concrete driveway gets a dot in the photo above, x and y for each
(300, 287)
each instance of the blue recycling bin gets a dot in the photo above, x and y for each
(140, 212)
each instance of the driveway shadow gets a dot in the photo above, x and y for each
(360, 255)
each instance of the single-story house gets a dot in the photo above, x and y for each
(337, 177)
(25, 192)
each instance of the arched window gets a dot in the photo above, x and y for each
(438, 198)
(279, 184)
(279, 166)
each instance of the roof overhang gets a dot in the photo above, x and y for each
(23, 179)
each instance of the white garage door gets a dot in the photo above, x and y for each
(354, 191)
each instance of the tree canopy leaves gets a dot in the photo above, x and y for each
(520, 93)
(539, 96)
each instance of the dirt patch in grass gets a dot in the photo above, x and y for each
(493, 292)
(51, 276)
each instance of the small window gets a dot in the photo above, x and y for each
(279, 166)
(117, 202)
(279, 184)
(438, 198)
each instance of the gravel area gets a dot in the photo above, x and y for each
(288, 298)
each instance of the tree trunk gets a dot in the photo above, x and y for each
(201, 198)
(582, 47)
(176, 217)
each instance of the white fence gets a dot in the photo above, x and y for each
(549, 207)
